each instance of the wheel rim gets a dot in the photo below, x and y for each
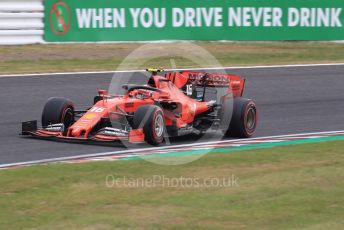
(159, 125)
(251, 118)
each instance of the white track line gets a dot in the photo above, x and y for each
(159, 148)
(186, 69)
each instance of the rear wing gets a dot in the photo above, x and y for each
(234, 83)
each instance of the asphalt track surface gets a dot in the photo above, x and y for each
(290, 100)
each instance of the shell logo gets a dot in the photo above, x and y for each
(89, 116)
(192, 109)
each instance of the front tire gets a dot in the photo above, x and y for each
(150, 118)
(58, 110)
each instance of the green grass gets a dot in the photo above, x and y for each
(291, 187)
(93, 57)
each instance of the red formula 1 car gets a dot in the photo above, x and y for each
(173, 104)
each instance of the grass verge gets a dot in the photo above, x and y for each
(93, 57)
(290, 187)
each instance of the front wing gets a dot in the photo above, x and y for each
(107, 134)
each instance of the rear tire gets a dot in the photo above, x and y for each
(58, 110)
(244, 118)
(150, 118)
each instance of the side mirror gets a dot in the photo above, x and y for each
(102, 92)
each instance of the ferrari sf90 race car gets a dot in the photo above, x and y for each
(171, 104)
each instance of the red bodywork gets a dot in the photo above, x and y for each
(169, 90)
